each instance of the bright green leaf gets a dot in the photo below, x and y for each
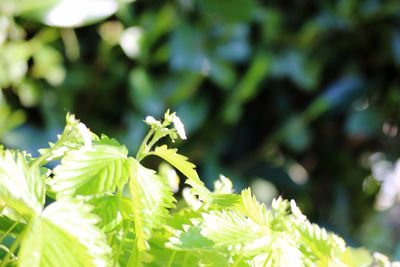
(151, 199)
(107, 208)
(21, 187)
(64, 235)
(252, 209)
(99, 168)
(184, 166)
(231, 230)
(74, 136)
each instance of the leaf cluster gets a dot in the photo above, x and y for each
(101, 207)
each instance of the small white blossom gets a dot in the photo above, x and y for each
(180, 129)
(150, 120)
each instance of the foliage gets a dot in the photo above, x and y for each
(104, 208)
(291, 95)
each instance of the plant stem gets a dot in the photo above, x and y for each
(171, 259)
(8, 231)
(143, 147)
(185, 259)
(237, 261)
(13, 247)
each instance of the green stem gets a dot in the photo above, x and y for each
(8, 231)
(143, 147)
(237, 261)
(267, 259)
(185, 259)
(171, 259)
(118, 252)
(134, 258)
(13, 247)
(157, 136)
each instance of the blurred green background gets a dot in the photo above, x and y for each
(293, 98)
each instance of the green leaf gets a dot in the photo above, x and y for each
(190, 240)
(281, 251)
(359, 257)
(229, 11)
(107, 208)
(225, 230)
(22, 188)
(231, 230)
(317, 244)
(163, 256)
(184, 166)
(252, 209)
(100, 168)
(64, 235)
(151, 199)
(8, 226)
(221, 201)
(74, 136)
(189, 248)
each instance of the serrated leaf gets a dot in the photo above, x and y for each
(151, 198)
(64, 235)
(230, 229)
(189, 248)
(100, 168)
(252, 209)
(184, 166)
(163, 256)
(318, 244)
(73, 137)
(220, 201)
(107, 208)
(22, 187)
(190, 239)
(283, 251)
(224, 232)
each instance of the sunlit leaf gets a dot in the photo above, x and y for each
(184, 166)
(64, 235)
(99, 168)
(73, 137)
(252, 208)
(21, 186)
(151, 199)
(107, 208)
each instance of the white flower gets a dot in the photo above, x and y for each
(152, 122)
(180, 129)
